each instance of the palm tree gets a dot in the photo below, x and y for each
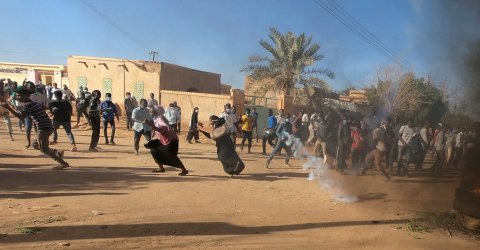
(290, 64)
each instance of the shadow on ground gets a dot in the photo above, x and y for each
(32, 195)
(174, 229)
(38, 179)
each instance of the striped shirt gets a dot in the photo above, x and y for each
(40, 117)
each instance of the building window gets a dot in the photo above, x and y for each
(138, 91)
(107, 85)
(81, 82)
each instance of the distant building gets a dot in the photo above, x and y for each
(226, 89)
(357, 96)
(118, 76)
(18, 72)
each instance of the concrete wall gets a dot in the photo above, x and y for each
(177, 78)
(208, 104)
(32, 72)
(125, 76)
(15, 77)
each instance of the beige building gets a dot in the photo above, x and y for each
(357, 96)
(18, 72)
(118, 76)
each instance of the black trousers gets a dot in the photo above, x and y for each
(192, 134)
(95, 122)
(105, 134)
(174, 127)
(247, 135)
(267, 137)
(129, 120)
(81, 110)
(341, 156)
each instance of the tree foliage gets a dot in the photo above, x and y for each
(289, 66)
(459, 121)
(406, 96)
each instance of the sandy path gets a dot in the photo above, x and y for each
(276, 208)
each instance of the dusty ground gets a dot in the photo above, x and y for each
(136, 209)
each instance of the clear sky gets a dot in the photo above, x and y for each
(211, 35)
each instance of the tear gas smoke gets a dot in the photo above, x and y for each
(448, 35)
(320, 171)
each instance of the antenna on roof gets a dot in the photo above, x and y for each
(153, 53)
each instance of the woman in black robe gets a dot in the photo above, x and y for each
(193, 129)
(232, 164)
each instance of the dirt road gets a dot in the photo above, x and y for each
(111, 199)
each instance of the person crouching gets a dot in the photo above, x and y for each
(164, 149)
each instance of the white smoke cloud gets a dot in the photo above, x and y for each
(320, 172)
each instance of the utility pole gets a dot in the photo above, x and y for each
(153, 53)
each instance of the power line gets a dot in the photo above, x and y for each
(29, 53)
(366, 37)
(111, 22)
(352, 27)
(119, 28)
(368, 33)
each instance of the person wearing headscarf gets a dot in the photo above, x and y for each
(232, 164)
(193, 129)
(164, 149)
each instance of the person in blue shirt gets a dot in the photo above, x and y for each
(269, 132)
(109, 113)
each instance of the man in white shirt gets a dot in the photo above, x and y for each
(172, 116)
(280, 117)
(67, 94)
(55, 89)
(425, 141)
(311, 128)
(459, 144)
(231, 121)
(152, 102)
(179, 120)
(439, 149)
(48, 90)
(405, 134)
(304, 129)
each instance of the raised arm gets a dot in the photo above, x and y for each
(19, 115)
(161, 130)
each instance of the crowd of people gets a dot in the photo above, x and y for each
(332, 135)
(371, 143)
(367, 142)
